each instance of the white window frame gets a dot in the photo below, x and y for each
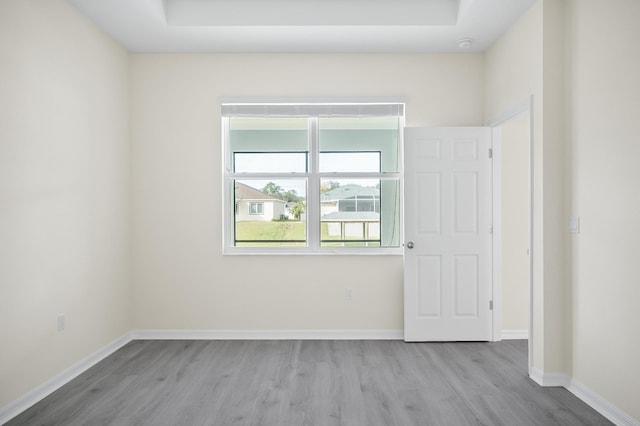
(313, 177)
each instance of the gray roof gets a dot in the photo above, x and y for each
(245, 192)
(351, 217)
(350, 191)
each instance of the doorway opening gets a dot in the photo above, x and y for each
(512, 218)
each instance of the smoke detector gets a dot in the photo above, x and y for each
(465, 43)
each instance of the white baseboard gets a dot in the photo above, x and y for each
(601, 405)
(267, 334)
(549, 379)
(536, 375)
(514, 334)
(32, 397)
(595, 401)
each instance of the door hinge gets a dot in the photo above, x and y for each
(491, 230)
(490, 152)
(491, 305)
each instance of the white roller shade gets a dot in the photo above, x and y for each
(312, 109)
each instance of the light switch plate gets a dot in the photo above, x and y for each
(574, 224)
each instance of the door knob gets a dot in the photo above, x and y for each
(410, 245)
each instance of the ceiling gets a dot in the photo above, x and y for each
(302, 26)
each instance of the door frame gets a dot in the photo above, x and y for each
(524, 107)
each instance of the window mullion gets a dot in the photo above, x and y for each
(360, 175)
(268, 176)
(313, 187)
(228, 218)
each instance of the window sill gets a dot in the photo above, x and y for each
(395, 251)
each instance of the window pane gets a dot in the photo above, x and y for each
(270, 212)
(270, 162)
(389, 207)
(350, 212)
(349, 162)
(362, 134)
(253, 135)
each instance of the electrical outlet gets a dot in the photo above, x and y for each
(61, 322)
(348, 294)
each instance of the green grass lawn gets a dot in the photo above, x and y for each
(287, 230)
(266, 231)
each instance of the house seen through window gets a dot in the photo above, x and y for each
(312, 178)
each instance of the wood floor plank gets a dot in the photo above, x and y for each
(291, 383)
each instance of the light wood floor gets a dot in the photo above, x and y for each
(310, 383)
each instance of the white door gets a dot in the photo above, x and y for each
(447, 196)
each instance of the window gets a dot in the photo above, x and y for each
(312, 178)
(256, 208)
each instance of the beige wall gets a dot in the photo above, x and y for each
(603, 97)
(557, 300)
(513, 73)
(515, 158)
(527, 61)
(573, 56)
(181, 279)
(64, 192)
